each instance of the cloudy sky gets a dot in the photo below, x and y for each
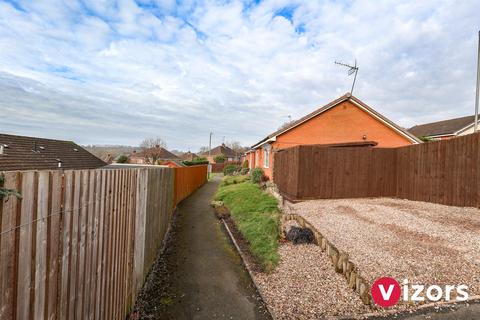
(114, 72)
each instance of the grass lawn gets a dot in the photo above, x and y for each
(257, 217)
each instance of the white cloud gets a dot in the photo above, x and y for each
(117, 71)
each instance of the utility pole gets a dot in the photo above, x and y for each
(478, 85)
(210, 144)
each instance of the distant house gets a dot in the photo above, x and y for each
(445, 129)
(230, 154)
(152, 156)
(346, 120)
(188, 156)
(32, 153)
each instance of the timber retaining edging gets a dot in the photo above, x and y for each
(340, 259)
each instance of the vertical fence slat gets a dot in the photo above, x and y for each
(25, 276)
(8, 221)
(54, 243)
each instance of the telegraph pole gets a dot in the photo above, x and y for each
(478, 85)
(210, 144)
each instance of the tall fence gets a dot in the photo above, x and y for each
(218, 167)
(78, 244)
(445, 172)
(188, 179)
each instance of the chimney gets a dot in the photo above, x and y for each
(134, 151)
(223, 144)
(2, 148)
(157, 146)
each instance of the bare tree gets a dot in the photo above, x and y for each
(152, 143)
(237, 147)
(286, 124)
(203, 149)
(151, 149)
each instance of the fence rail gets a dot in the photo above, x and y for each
(78, 244)
(445, 172)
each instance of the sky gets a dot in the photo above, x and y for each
(116, 72)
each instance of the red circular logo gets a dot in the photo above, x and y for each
(386, 292)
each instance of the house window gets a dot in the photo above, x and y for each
(266, 156)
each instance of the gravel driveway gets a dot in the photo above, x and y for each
(423, 242)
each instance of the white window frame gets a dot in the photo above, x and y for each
(266, 156)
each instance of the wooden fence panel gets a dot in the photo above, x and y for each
(443, 172)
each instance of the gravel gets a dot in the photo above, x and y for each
(305, 286)
(423, 242)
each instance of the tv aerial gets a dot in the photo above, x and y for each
(351, 70)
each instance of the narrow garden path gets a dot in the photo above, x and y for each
(200, 275)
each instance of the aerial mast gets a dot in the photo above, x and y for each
(351, 70)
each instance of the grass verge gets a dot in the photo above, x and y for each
(257, 217)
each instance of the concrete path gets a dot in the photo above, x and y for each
(200, 275)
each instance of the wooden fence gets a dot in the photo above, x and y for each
(79, 244)
(189, 179)
(218, 167)
(445, 172)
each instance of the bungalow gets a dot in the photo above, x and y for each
(31, 153)
(229, 153)
(446, 129)
(188, 156)
(344, 120)
(152, 156)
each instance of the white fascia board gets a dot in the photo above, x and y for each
(273, 139)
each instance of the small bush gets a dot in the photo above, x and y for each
(245, 164)
(257, 175)
(219, 159)
(200, 159)
(230, 169)
(122, 159)
(244, 171)
(195, 162)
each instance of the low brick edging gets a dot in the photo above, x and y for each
(340, 259)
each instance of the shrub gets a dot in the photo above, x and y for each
(245, 164)
(230, 169)
(122, 159)
(219, 159)
(257, 175)
(200, 159)
(195, 162)
(244, 170)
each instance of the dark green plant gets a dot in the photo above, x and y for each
(426, 139)
(122, 159)
(4, 192)
(230, 169)
(220, 158)
(245, 164)
(194, 162)
(257, 175)
(200, 159)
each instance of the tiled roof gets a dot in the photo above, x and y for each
(159, 152)
(31, 153)
(445, 127)
(333, 103)
(189, 156)
(222, 149)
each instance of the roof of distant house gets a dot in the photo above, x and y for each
(159, 152)
(189, 156)
(332, 104)
(32, 153)
(222, 149)
(444, 127)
